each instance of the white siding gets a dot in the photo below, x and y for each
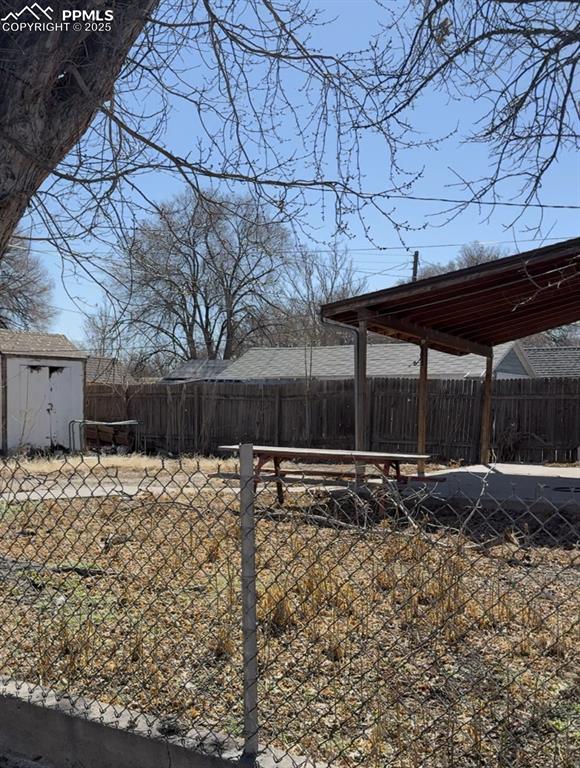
(43, 396)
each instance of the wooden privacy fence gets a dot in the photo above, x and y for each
(535, 420)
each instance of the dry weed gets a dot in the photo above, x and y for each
(275, 610)
(223, 644)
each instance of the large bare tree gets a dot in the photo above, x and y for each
(25, 290)
(310, 278)
(207, 279)
(196, 281)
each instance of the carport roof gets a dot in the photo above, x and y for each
(472, 310)
(34, 344)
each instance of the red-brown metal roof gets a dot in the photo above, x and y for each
(472, 310)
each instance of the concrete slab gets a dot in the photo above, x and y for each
(543, 490)
(518, 470)
(526, 483)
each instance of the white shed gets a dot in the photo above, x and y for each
(42, 380)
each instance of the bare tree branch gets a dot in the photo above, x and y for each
(518, 60)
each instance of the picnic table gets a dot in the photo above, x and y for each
(384, 462)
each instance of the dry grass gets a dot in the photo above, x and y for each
(132, 464)
(385, 647)
(138, 465)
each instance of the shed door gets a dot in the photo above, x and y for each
(30, 424)
(42, 417)
(60, 395)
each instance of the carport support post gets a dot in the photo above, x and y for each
(360, 395)
(486, 415)
(422, 405)
(249, 622)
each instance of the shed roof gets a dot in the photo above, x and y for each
(35, 344)
(554, 361)
(384, 360)
(474, 309)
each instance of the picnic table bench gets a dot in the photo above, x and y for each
(384, 462)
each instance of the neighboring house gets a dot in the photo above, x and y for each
(42, 377)
(396, 360)
(554, 362)
(197, 370)
(107, 370)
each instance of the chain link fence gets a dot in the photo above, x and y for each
(318, 622)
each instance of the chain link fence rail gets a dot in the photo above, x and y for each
(322, 624)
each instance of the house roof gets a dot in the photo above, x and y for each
(383, 360)
(554, 361)
(107, 370)
(474, 309)
(35, 344)
(193, 370)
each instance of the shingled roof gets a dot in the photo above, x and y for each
(107, 370)
(554, 361)
(396, 360)
(36, 344)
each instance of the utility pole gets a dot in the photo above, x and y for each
(415, 265)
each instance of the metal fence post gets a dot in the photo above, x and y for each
(249, 621)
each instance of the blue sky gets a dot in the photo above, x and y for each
(437, 241)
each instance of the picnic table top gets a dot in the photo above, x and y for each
(370, 457)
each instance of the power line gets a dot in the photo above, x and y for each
(294, 256)
(294, 252)
(370, 250)
(488, 203)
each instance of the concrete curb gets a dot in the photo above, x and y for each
(37, 724)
